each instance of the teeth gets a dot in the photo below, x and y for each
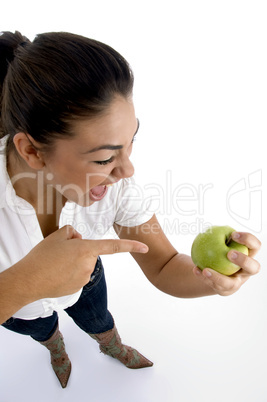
(109, 185)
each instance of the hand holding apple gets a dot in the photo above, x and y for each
(226, 285)
(209, 250)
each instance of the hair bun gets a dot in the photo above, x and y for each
(9, 42)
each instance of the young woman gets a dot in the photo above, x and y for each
(68, 124)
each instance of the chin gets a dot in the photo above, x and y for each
(84, 201)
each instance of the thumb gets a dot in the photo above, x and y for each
(102, 247)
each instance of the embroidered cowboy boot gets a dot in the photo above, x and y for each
(110, 344)
(59, 358)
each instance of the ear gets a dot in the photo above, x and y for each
(27, 148)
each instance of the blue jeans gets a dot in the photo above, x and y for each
(90, 312)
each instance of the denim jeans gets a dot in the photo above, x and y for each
(90, 312)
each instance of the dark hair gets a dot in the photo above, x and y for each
(50, 82)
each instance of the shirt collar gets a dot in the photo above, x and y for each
(8, 195)
(4, 178)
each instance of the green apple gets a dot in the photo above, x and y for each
(209, 250)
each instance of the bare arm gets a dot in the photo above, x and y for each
(177, 278)
(13, 292)
(175, 273)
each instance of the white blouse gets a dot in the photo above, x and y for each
(20, 231)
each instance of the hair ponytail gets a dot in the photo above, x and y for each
(9, 42)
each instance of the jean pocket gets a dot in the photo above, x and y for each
(96, 275)
(8, 322)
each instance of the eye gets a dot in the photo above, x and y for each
(106, 162)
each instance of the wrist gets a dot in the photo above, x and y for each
(21, 285)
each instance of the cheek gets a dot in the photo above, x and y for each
(95, 178)
(67, 172)
(99, 173)
(68, 168)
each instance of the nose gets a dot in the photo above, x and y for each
(124, 169)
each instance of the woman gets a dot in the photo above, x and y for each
(68, 125)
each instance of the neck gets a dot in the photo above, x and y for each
(31, 185)
(22, 178)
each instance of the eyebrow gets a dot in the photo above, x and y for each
(111, 147)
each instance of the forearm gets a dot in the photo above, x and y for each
(177, 279)
(14, 292)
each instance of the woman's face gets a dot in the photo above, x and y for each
(97, 155)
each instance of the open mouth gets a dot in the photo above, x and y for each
(98, 193)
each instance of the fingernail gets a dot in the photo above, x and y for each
(143, 250)
(197, 271)
(235, 235)
(233, 255)
(207, 274)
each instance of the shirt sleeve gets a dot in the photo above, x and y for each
(133, 207)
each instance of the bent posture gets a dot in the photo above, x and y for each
(67, 125)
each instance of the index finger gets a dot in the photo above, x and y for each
(102, 247)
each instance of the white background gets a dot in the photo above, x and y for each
(201, 97)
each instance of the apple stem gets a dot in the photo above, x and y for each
(227, 240)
